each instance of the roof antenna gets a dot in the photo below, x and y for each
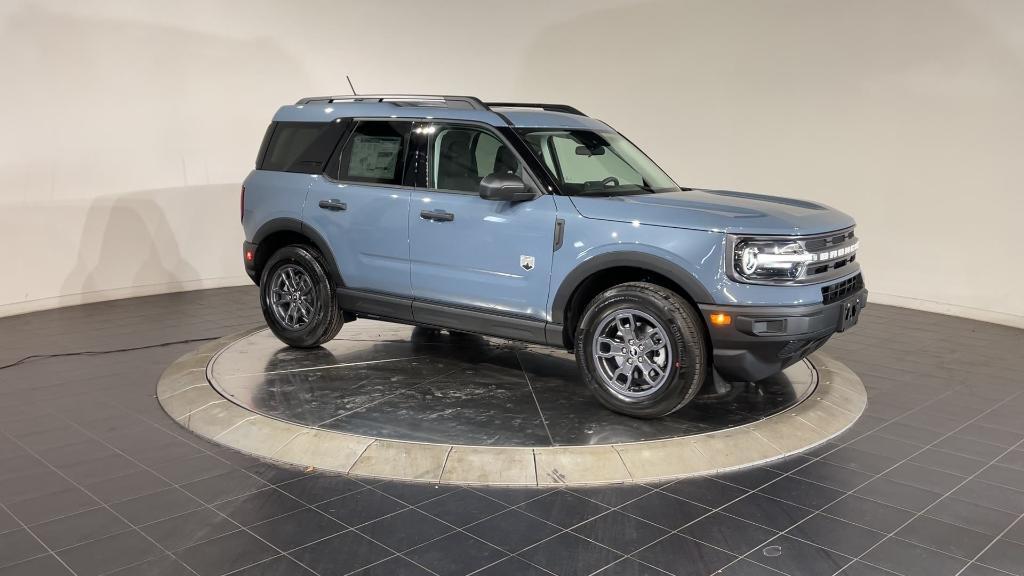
(353, 88)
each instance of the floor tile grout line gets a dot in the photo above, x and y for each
(895, 505)
(506, 509)
(897, 464)
(180, 514)
(388, 397)
(320, 503)
(381, 561)
(462, 528)
(989, 545)
(209, 506)
(37, 539)
(812, 514)
(61, 517)
(236, 571)
(325, 367)
(444, 464)
(347, 526)
(905, 460)
(749, 491)
(204, 504)
(314, 426)
(917, 515)
(625, 558)
(536, 403)
(571, 528)
(719, 509)
(882, 433)
(91, 495)
(846, 493)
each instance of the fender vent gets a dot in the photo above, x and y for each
(839, 290)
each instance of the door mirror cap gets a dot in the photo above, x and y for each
(505, 188)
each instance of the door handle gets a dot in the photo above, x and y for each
(333, 204)
(437, 215)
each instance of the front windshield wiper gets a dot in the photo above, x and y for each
(633, 189)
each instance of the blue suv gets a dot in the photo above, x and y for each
(535, 222)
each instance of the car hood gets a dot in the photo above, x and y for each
(718, 210)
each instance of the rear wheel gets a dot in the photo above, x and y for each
(641, 350)
(298, 298)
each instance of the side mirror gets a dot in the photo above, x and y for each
(505, 188)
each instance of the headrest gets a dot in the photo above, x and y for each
(505, 161)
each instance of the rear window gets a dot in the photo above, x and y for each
(301, 147)
(289, 140)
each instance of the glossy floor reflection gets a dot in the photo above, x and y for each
(400, 382)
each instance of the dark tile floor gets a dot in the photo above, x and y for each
(95, 479)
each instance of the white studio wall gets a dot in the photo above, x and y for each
(128, 126)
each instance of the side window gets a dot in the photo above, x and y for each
(460, 157)
(374, 153)
(289, 140)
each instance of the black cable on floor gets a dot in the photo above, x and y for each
(100, 352)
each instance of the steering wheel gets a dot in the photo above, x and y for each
(610, 182)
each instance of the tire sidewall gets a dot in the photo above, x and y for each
(686, 373)
(310, 334)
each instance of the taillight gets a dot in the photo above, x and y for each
(241, 204)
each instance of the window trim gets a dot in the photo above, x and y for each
(530, 178)
(353, 123)
(509, 135)
(265, 144)
(556, 181)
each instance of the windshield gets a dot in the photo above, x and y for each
(585, 162)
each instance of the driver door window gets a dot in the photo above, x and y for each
(460, 157)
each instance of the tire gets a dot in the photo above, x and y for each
(311, 317)
(668, 357)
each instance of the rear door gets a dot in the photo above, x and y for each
(469, 252)
(360, 205)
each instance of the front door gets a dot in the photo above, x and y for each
(469, 252)
(360, 205)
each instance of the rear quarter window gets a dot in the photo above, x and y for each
(301, 147)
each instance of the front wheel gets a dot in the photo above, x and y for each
(641, 350)
(298, 298)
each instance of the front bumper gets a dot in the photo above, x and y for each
(764, 340)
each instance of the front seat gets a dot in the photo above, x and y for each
(453, 170)
(505, 162)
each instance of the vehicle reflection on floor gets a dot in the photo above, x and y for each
(410, 383)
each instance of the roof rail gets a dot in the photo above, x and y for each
(469, 102)
(549, 107)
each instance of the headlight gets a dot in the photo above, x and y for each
(771, 260)
(791, 260)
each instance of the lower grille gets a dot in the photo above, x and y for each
(839, 290)
(802, 347)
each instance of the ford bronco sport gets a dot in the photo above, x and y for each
(535, 222)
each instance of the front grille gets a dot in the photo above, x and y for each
(829, 253)
(839, 290)
(816, 270)
(802, 347)
(816, 244)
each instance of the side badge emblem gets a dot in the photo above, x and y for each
(526, 262)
